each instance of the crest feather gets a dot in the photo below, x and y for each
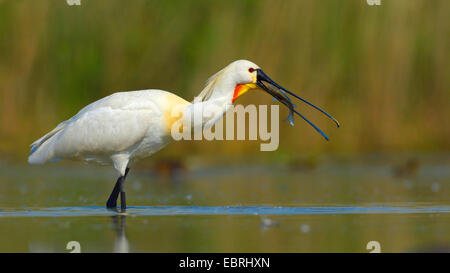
(209, 87)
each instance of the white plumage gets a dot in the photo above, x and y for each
(116, 129)
(126, 126)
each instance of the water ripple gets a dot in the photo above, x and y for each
(222, 210)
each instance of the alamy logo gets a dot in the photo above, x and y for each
(206, 121)
(373, 2)
(73, 2)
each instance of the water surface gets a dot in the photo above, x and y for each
(333, 207)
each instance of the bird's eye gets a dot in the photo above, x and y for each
(251, 70)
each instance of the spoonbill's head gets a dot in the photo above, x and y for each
(250, 76)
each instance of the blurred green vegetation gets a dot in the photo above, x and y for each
(383, 71)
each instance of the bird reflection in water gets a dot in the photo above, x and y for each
(121, 244)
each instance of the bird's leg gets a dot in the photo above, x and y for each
(112, 200)
(123, 202)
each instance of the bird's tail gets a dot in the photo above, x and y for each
(42, 150)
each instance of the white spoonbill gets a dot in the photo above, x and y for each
(126, 126)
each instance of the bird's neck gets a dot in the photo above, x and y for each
(223, 91)
(219, 102)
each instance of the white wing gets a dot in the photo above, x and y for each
(114, 124)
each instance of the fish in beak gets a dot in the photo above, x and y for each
(281, 94)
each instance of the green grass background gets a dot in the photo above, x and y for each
(383, 71)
